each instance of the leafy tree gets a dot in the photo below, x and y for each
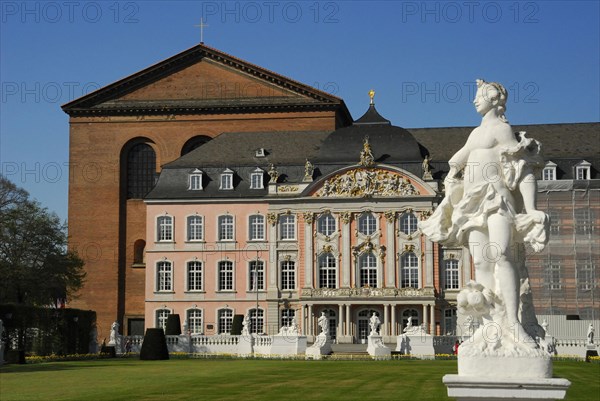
(35, 266)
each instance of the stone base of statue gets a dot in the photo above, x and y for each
(377, 349)
(245, 345)
(322, 346)
(471, 388)
(288, 345)
(416, 342)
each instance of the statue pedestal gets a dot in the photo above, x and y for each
(377, 349)
(245, 345)
(470, 388)
(322, 346)
(416, 343)
(288, 345)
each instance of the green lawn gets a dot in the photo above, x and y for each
(219, 379)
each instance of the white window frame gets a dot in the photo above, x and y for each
(287, 275)
(165, 232)
(164, 279)
(225, 277)
(549, 172)
(287, 315)
(287, 227)
(195, 324)
(224, 323)
(408, 268)
(364, 223)
(554, 274)
(254, 227)
(327, 266)
(257, 320)
(226, 180)
(585, 275)
(451, 274)
(195, 181)
(257, 179)
(198, 270)
(160, 317)
(326, 224)
(199, 236)
(582, 171)
(409, 223)
(367, 262)
(261, 275)
(221, 229)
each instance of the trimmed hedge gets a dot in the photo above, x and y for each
(154, 347)
(173, 327)
(46, 331)
(237, 326)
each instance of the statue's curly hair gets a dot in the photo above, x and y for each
(498, 97)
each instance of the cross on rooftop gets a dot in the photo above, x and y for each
(202, 25)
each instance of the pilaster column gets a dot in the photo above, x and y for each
(340, 320)
(348, 319)
(272, 224)
(390, 260)
(310, 320)
(425, 315)
(428, 263)
(432, 322)
(466, 266)
(308, 247)
(346, 251)
(393, 331)
(386, 320)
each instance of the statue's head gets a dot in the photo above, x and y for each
(490, 95)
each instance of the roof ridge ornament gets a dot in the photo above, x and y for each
(372, 96)
(366, 155)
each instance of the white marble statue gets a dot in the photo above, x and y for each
(323, 322)
(590, 334)
(374, 324)
(490, 207)
(409, 326)
(246, 324)
(114, 333)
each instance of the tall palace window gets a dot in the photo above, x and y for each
(327, 271)
(368, 270)
(410, 270)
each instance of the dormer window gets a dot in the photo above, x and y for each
(256, 179)
(549, 172)
(226, 181)
(195, 180)
(260, 152)
(582, 171)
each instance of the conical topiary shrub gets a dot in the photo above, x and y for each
(154, 346)
(173, 327)
(236, 326)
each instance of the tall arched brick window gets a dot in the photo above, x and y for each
(141, 170)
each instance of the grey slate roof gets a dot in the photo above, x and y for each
(564, 144)
(576, 140)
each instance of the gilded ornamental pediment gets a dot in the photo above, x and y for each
(367, 182)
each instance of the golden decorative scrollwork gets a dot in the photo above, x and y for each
(361, 182)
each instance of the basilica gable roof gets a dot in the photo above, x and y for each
(203, 80)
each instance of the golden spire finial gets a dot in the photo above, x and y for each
(372, 95)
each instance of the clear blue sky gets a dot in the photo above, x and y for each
(420, 57)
